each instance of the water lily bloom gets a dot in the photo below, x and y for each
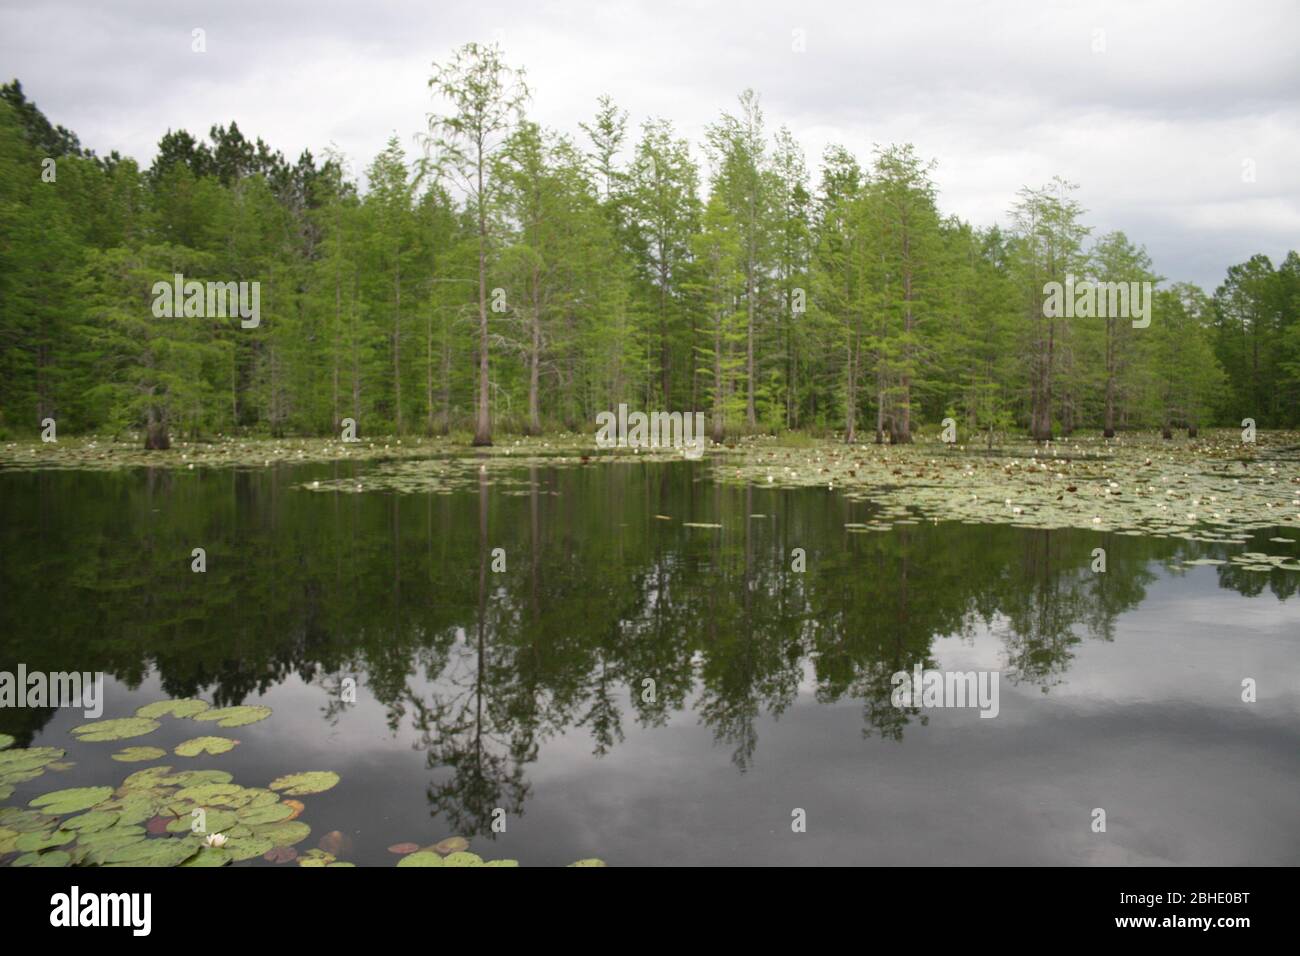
(217, 840)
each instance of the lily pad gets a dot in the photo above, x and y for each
(119, 729)
(453, 844)
(210, 794)
(215, 820)
(93, 821)
(27, 759)
(202, 745)
(146, 779)
(401, 849)
(195, 778)
(139, 754)
(592, 861)
(210, 856)
(53, 858)
(462, 859)
(257, 816)
(24, 821)
(280, 854)
(247, 847)
(284, 834)
(71, 801)
(6, 741)
(163, 852)
(43, 840)
(235, 716)
(421, 858)
(182, 707)
(302, 784)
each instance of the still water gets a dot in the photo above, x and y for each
(637, 690)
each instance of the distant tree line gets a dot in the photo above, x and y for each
(505, 276)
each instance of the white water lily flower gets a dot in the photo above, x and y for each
(216, 840)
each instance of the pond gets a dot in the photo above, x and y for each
(637, 663)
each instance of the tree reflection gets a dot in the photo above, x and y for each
(604, 614)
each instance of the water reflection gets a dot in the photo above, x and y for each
(490, 623)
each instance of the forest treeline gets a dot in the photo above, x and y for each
(501, 276)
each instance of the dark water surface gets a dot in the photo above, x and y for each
(526, 689)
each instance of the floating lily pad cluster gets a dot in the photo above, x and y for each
(152, 819)
(19, 766)
(158, 817)
(1214, 490)
(104, 454)
(146, 721)
(454, 852)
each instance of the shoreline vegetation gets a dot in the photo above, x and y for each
(505, 277)
(1214, 488)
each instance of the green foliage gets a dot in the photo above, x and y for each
(596, 273)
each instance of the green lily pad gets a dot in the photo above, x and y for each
(53, 858)
(202, 745)
(210, 856)
(511, 862)
(26, 759)
(182, 707)
(461, 859)
(316, 858)
(71, 801)
(24, 821)
(118, 729)
(235, 716)
(146, 779)
(254, 797)
(421, 858)
(247, 847)
(301, 784)
(215, 820)
(21, 776)
(229, 795)
(450, 845)
(195, 778)
(6, 741)
(592, 861)
(257, 816)
(93, 821)
(163, 852)
(43, 840)
(284, 834)
(139, 754)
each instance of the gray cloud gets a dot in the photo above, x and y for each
(1152, 108)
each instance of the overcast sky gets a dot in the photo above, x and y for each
(1160, 111)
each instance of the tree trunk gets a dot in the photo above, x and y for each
(155, 433)
(483, 425)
